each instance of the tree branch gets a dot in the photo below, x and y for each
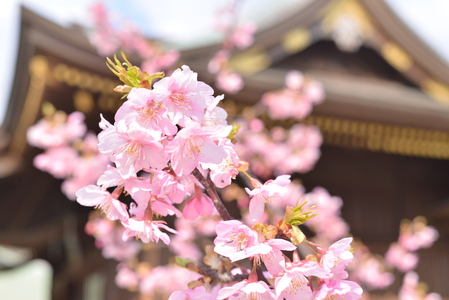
(211, 191)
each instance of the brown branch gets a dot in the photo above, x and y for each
(209, 186)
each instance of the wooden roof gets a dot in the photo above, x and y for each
(382, 31)
(396, 83)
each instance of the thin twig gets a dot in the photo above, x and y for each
(209, 186)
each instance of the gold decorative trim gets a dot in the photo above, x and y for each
(251, 61)
(396, 57)
(436, 89)
(350, 8)
(376, 137)
(84, 80)
(296, 40)
(38, 69)
(379, 137)
(83, 101)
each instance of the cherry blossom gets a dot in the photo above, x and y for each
(129, 147)
(198, 293)
(191, 146)
(246, 290)
(198, 205)
(142, 108)
(146, 230)
(268, 192)
(126, 278)
(294, 284)
(93, 195)
(235, 240)
(342, 289)
(60, 162)
(57, 130)
(400, 258)
(243, 35)
(229, 82)
(183, 95)
(336, 258)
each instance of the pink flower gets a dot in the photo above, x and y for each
(342, 289)
(294, 284)
(410, 289)
(126, 278)
(166, 185)
(215, 122)
(219, 59)
(198, 205)
(270, 252)
(314, 91)
(423, 238)
(156, 283)
(130, 148)
(190, 147)
(198, 293)
(105, 41)
(242, 37)
(146, 230)
(93, 195)
(113, 246)
(86, 171)
(266, 193)
(142, 108)
(223, 173)
(184, 97)
(370, 272)
(245, 290)
(295, 100)
(185, 248)
(60, 162)
(294, 80)
(57, 131)
(328, 225)
(336, 258)
(229, 82)
(160, 61)
(104, 37)
(163, 207)
(400, 258)
(235, 240)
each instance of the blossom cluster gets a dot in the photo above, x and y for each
(285, 278)
(412, 289)
(375, 272)
(159, 138)
(108, 38)
(240, 36)
(278, 151)
(368, 269)
(413, 236)
(282, 149)
(328, 226)
(164, 142)
(108, 237)
(297, 97)
(70, 151)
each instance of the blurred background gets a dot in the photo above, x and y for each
(385, 119)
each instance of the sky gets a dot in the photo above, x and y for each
(162, 19)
